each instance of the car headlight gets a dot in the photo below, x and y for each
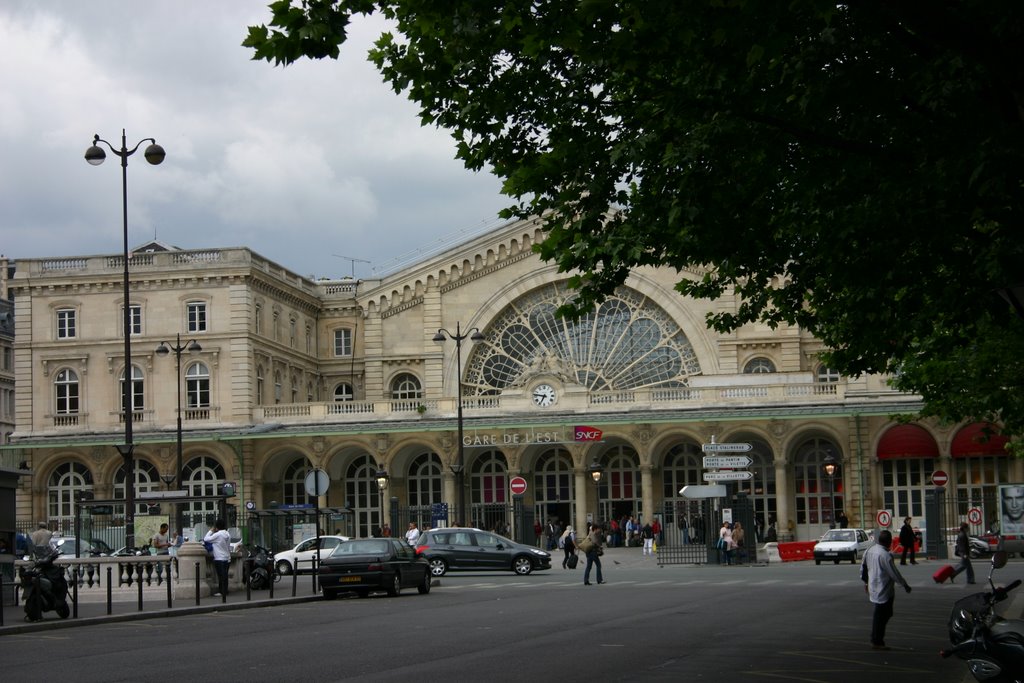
(538, 552)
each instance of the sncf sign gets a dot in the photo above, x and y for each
(587, 434)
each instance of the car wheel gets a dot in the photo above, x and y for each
(853, 560)
(424, 586)
(817, 562)
(396, 586)
(284, 568)
(330, 594)
(63, 611)
(438, 567)
(522, 565)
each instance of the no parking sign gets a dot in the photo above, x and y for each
(884, 518)
(974, 516)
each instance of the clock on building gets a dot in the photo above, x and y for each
(544, 395)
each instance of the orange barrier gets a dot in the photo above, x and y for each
(795, 551)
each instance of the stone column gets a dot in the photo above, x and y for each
(583, 500)
(783, 501)
(189, 553)
(647, 497)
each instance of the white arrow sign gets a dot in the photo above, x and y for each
(726, 447)
(728, 475)
(706, 491)
(733, 462)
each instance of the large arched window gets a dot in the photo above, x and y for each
(815, 493)
(761, 489)
(682, 466)
(363, 494)
(66, 392)
(490, 478)
(202, 476)
(147, 479)
(293, 485)
(67, 480)
(620, 485)
(425, 480)
(406, 386)
(553, 483)
(628, 342)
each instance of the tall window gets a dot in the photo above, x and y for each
(363, 494)
(291, 332)
(756, 366)
(136, 390)
(66, 481)
(147, 479)
(490, 478)
(259, 385)
(343, 392)
(202, 476)
(196, 312)
(258, 318)
(66, 389)
(553, 483)
(406, 386)
(343, 342)
(66, 323)
(309, 339)
(425, 480)
(620, 485)
(197, 386)
(134, 318)
(904, 482)
(293, 486)
(814, 497)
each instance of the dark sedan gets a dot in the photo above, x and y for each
(374, 564)
(477, 550)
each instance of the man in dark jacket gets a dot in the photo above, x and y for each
(907, 540)
(963, 551)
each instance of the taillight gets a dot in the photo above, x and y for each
(375, 567)
(420, 549)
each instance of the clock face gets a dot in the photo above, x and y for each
(544, 395)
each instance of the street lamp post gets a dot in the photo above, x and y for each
(596, 472)
(382, 483)
(165, 348)
(830, 466)
(459, 468)
(95, 155)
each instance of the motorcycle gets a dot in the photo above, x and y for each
(263, 570)
(44, 588)
(992, 646)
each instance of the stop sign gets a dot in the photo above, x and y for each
(939, 478)
(517, 485)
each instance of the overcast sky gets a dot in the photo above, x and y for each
(304, 164)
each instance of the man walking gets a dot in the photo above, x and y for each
(907, 540)
(963, 551)
(879, 574)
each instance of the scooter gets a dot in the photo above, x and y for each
(992, 646)
(263, 570)
(44, 588)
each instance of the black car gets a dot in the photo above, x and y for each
(374, 564)
(477, 550)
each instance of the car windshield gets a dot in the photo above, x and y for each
(369, 547)
(840, 535)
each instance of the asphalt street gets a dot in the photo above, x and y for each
(785, 622)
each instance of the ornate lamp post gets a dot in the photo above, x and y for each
(382, 483)
(830, 466)
(95, 155)
(458, 469)
(165, 348)
(596, 473)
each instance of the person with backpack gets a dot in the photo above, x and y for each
(591, 547)
(567, 542)
(647, 536)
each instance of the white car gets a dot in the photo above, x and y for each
(842, 544)
(304, 553)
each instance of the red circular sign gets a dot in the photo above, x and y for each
(974, 516)
(939, 478)
(518, 485)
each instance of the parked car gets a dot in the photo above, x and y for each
(373, 564)
(304, 553)
(477, 550)
(842, 544)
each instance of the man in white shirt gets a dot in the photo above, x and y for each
(219, 538)
(879, 574)
(413, 534)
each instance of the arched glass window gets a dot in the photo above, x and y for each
(137, 391)
(147, 479)
(620, 485)
(761, 489)
(202, 476)
(67, 480)
(293, 486)
(425, 480)
(363, 494)
(553, 484)
(406, 386)
(814, 491)
(756, 366)
(344, 392)
(66, 392)
(683, 466)
(197, 385)
(827, 375)
(489, 479)
(628, 342)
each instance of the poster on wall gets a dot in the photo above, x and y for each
(1011, 509)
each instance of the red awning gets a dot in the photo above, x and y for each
(973, 441)
(907, 441)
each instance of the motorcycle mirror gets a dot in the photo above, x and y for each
(999, 559)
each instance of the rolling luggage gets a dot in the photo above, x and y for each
(944, 572)
(573, 560)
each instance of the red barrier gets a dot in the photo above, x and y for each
(795, 551)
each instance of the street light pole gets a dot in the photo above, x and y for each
(165, 348)
(459, 468)
(382, 483)
(596, 472)
(95, 155)
(830, 465)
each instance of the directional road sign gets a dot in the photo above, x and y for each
(732, 462)
(728, 475)
(705, 491)
(726, 447)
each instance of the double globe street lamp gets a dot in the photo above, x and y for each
(95, 155)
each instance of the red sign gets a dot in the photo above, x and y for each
(517, 485)
(939, 478)
(583, 433)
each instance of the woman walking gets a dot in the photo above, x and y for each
(567, 542)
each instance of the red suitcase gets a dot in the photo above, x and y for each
(945, 572)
